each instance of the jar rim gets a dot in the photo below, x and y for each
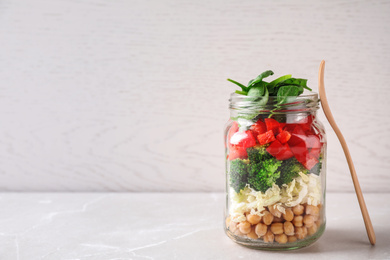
(306, 94)
(306, 102)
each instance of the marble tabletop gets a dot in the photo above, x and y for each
(84, 226)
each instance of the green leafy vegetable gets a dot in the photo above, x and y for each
(264, 99)
(288, 91)
(256, 154)
(261, 92)
(285, 88)
(238, 174)
(244, 88)
(278, 80)
(262, 175)
(290, 169)
(261, 170)
(280, 87)
(259, 78)
(272, 84)
(296, 82)
(241, 92)
(257, 91)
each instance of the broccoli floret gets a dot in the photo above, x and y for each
(258, 154)
(263, 174)
(290, 169)
(238, 174)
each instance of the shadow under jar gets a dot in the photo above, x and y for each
(275, 172)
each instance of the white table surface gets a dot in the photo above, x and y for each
(167, 226)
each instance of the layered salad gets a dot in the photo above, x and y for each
(274, 161)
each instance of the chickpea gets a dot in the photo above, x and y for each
(318, 223)
(308, 220)
(268, 237)
(227, 221)
(237, 232)
(312, 210)
(281, 239)
(277, 228)
(274, 211)
(233, 226)
(311, 230)
(253, 219)
(278, 220)
(245, 227)
(298, 209)
(300, 232)
(261, 229)
(288, 228)
(289, 215)
(291, 239)
(304, 230)
(267, 218)
(297, 221)
(253, 234)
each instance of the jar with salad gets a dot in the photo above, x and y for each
(275, 150)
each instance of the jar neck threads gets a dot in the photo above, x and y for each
(249, 107)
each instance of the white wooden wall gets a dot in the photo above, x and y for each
(100, 95)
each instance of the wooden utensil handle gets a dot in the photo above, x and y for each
(332, 122)
(359, 193)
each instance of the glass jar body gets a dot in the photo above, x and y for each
(275, 176)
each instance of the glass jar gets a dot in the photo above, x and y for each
(275, 172)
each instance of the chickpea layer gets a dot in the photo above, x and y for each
(274, 226)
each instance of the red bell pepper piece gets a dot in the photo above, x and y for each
(258, 128)
(233, 129)
(306, 123)
(300, 151)
(279, 151)
(310, 162)
(313, 141)
(289, 127)
(315, 152)
(237, 152)
(313, 145)
(266, 138)
(303, 156)
(308, 120)
(297, 136)
(243, 139)
(285, 153)
(238, 144)
(272, 124)
(283, 136)
(274, 148)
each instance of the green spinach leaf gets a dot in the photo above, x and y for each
(244, 88)
(288, 91)
(259, 78)
(272, 84)
(264, 99)
(294, 81)
(241, 92)
(258, 90)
